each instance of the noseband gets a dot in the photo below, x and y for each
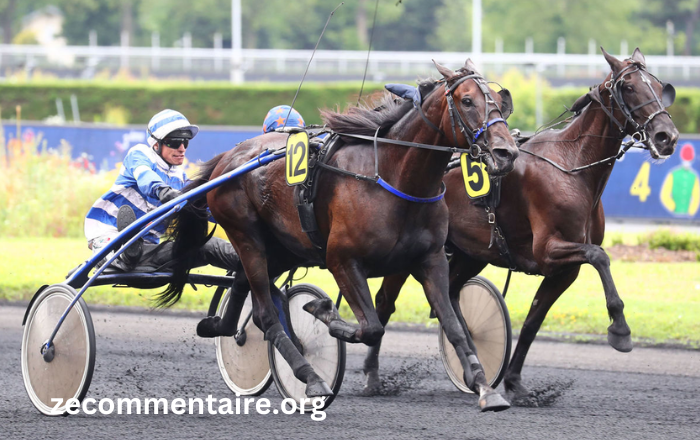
(471, 136)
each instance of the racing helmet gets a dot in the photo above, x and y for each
(169, 122)
(276, 118)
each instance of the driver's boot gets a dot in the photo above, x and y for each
(131, 256)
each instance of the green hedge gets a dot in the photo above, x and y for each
(224, 104)
(203, 104)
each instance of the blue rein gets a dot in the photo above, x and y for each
(405, 196)
(484, 128)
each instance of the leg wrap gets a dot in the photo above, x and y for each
(302, 370)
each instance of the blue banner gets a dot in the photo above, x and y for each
(642, 188)
(102, 148)
(639, 187)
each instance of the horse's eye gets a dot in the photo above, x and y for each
(467, 101)
(629, 89)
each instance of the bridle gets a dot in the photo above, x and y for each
(615, 85)
(472, 137)
(475, 150)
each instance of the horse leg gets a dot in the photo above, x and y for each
(386, 306)
(562, 254)
(353, 283)
(251, 247)
(227, 325)
(619, 333)
(547, 294)
(462, 269)
(433, 274)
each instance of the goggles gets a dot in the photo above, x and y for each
(175, 142)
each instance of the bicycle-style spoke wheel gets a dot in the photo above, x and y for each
(243, 359)
(325, 354)
(51, 382)
(488, 321)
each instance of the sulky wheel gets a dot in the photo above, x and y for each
(488, 321)
(67, 370)
(325, 353)
(243, 358)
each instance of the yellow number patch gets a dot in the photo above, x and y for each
(640, 186)
(297, 158)
(476, 178)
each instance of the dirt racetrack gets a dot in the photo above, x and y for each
(590, 391)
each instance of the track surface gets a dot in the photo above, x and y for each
(649, 393)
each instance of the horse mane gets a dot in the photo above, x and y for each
(384, 112)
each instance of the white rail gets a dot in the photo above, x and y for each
(86, 60)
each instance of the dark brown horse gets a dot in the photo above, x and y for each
(368, 231)
(553, 220)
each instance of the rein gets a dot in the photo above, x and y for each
(474, 150)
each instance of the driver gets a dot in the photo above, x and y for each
(150, 176)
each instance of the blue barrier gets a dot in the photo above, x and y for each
(638, 187)
(102, 148)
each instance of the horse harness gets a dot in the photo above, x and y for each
(614, 86)
(491, 201)
(306, 192)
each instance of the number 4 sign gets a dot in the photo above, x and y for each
(640, 186)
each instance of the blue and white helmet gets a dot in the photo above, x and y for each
(166, 122)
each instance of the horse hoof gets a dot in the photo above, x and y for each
(492, 401)
(322, 309)
(207, 327)
(373, 386)
(210, 327)
(318, 389)
(621, 343)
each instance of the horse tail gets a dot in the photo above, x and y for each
(188, 231)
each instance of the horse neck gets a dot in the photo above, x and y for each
(415, 171)
(598, 138)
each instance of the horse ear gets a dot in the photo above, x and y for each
(446, 73)
(506, 103)
(638, 56)
(470, 67)
(615, 64)
(668, 95)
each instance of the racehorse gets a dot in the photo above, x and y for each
(550, 212)
(368, 231)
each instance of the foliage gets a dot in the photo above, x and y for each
(43, 193)
(25, 37)
(674, 241)
(203, 103)
(424, 25)
(214, 103)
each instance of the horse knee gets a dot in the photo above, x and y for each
(385, 308)
(372, 335)
(597, 256)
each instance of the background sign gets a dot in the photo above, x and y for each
(639, 187)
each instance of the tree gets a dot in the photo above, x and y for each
(108, 17)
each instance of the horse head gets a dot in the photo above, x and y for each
(479, 114)
(643, 100)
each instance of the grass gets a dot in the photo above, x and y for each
(662, 300)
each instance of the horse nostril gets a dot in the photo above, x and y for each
(661, 138)
(502, 154)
